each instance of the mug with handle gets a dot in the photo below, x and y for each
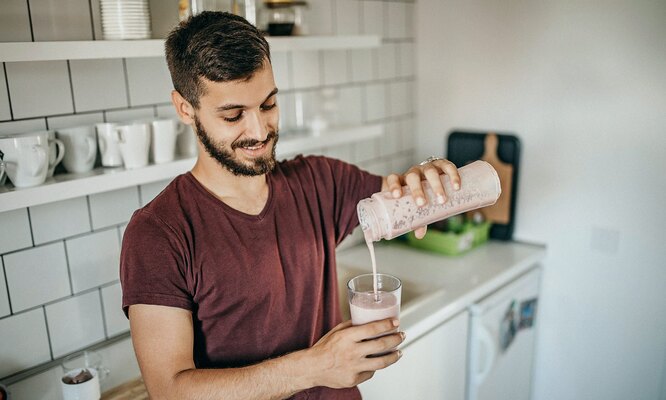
(165, 133)
(80, 148)
(25, 158)
(134, 144)
(56, 151)
(109, 140)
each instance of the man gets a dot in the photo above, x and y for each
(228, 275)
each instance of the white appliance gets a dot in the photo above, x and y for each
(501, 342)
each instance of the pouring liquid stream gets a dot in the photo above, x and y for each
(371, 248)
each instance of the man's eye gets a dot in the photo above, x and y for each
(234, 119)
(267, 107)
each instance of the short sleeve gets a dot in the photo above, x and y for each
(153, 264)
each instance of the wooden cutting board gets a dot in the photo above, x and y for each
(500, 212)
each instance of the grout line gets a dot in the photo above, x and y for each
(48, 332)
(32, 236)
(126, 76)
(32, 33)
(90, 221)
(69, 271)
(71, 85)
(101, 302)
(4, 272)
(92, 20)
(9, 97)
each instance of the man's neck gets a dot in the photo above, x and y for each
(247, 194)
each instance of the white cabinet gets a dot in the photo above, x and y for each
(432, 367)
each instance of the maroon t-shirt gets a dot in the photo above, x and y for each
(258, 286)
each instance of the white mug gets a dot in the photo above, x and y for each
(25, 157)
(134, 144)
(164, 135)
(80, 148)
(88, 390)
(187, 141)
(56, 152)
(108, 140)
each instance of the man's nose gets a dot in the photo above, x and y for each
(256, 126)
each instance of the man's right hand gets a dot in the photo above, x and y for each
(341, 357)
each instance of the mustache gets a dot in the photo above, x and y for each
(253, 142)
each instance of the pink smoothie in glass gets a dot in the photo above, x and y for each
(365, 308)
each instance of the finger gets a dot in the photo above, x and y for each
(381, 344)
(420, 232)
(413, 180)
(372, 329)
(394, 185)
(450, 169)
(432, 176)
(338, 327)
(382, 362)
(364, 376)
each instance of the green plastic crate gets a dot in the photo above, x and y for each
(451, 243)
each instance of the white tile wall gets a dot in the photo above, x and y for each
(387, 61)
(390, 143)
(15, 21)
(24, 341)
(39, 88)
(373, 18)
(167, 110)
(75, 323)
(67, 121)
(375, 102)
(43, 386)
(115, 319)
(395, 20)
(120, 359)
(26, 125)
(60, 20)
(281, 72)
(98, 84)
(4, 99)
(308, 64)
(347, 17)
(150, 190)
(4, 296)
(400, 100)
(318, 17)
(130, 115)
(15, 228)
(362, 65)
(37, 276)
(60, 219)
(366, 150)
(409, 21)
(149, 81)
(344, 153)
(350, 109)
(114, 207)
(406, 59)
(91, 269)
(335, 67)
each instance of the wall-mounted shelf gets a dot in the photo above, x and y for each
(68, 186)
(97, 49)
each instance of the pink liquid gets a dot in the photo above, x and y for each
(365, 308)
(371, 247)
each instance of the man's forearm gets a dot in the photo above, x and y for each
(277, 378)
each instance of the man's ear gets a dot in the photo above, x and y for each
(183, 108)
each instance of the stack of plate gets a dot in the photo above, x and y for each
(125, 19)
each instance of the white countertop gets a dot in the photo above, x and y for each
(438, 287)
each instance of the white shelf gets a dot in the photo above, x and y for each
(98, 49)
(68, 186)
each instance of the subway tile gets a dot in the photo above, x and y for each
(24, 342)
(362, 61)
(98, 84)
(366, 150)
(409, 20)
(407, 134)
(375, 102)
(347, 17)
(132, 114)
(15, 21)
(343, 152)
(18, 223)
(280, 63)
(39, 88)
(67, 121)
(163, 18)
(308, 69)
(119, 357)
(166, 111)
(395, 21)
(317, 16)
(116, 322)
(75, 323)
(121, 232)
(5, 112)
(93, 259)
(390, 142)
(403, 162)
(42, 386)
(387, 61)
(27, 125)
(148, 80)
(335, 67)
(287, 112)
(60, 219)
(150, 190)
(96, 12)
(350, 106)
(400, 102)
(373, 18)
(61, 20)
(37, 276)
(114, 207)
(405, 59)
(4, 296)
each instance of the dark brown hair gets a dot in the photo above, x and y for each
(218, 46)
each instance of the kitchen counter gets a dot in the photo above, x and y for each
(438, 287)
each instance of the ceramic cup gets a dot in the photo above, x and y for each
(109, 141)
(187, 141)
(56, 152)
(26, 157)
(134, 144)
(163, 141)
(80, 148)
(88, 390)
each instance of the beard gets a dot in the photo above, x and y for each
(227, 159)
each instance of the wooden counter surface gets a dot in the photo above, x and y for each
(132, 390)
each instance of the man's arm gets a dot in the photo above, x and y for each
(163, 341)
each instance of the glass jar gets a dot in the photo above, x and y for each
(284, 17)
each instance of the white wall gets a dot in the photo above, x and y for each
(583, 83)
